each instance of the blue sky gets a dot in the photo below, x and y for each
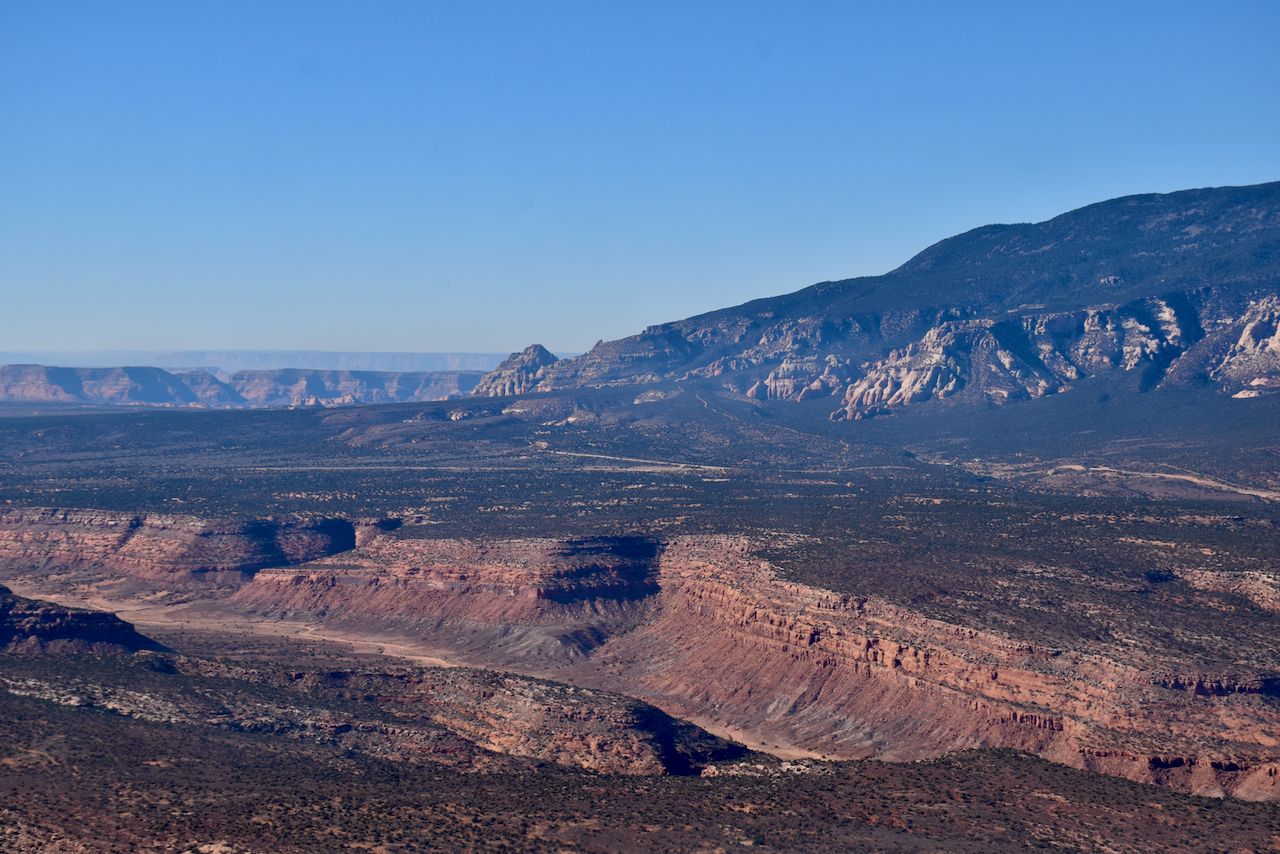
(475, 176)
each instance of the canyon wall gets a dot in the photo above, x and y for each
(175, 551)
(532, 600)
(701, 627)
(710, 632)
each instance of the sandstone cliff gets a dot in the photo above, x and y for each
(169, 551)
(709, 632)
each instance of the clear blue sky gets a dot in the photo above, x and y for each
(476, 175)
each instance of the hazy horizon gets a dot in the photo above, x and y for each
(234, 360)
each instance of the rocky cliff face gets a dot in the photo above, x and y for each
(519, 373)
(31, 626)
(709, 632)
(172, 551)
(701, 627)
(535, 600)
(1145, 290)
(283, 387)
(1251, 364)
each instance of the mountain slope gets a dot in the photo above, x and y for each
(1151, 290)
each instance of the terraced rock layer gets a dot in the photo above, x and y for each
(714, 635)
(174, 550)
(704, 629)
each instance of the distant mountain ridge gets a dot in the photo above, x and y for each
(1148, 291)
(231, 361)
(288, 387)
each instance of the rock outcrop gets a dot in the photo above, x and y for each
(170, 552)
(460, 717)
(534, 718)
(31, 626)
(1251, 365)
(519, 373)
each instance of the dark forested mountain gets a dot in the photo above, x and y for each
(1145, 291)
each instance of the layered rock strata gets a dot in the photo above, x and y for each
(174, 549)
(524, 600)
(711, 633)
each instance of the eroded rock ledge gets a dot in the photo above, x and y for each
(715, 635)
(179, 550)
(706, 630)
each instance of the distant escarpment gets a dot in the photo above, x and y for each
(198, 388)
(33, 626)
(170, 552)
(1142, 292)
(707, 631)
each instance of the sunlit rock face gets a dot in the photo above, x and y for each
(517, 374)
(1146, 291)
